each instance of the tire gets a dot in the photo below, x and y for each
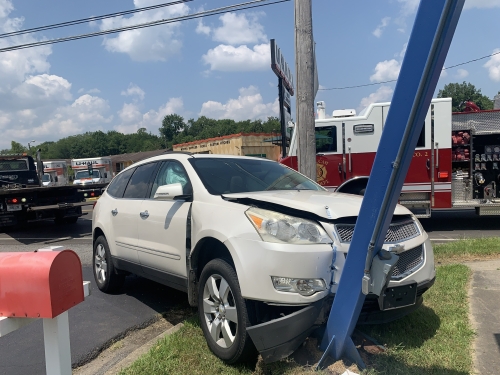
(105, 275)
(224, 319)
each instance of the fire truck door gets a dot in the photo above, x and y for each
(330, 158)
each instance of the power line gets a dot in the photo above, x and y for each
(212, 12)
(394, 80)
(90, 19)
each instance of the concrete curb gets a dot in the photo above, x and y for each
(136, 354)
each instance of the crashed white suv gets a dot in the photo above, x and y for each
(251, 241)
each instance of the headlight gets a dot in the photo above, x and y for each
(276, 227)
(305, 287)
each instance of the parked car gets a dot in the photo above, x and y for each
(258, 247)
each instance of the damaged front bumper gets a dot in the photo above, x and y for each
(278, 338)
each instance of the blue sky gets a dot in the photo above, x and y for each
(218, 67)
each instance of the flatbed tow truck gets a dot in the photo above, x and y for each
(24, 199)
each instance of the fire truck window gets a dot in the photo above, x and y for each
(326, 139)
(421, 139)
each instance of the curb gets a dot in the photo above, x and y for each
(136, 354)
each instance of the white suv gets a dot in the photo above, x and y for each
(258, 247)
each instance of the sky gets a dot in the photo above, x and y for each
(216, 66)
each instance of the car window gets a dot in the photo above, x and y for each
(326, 139)
(172, 172)
(228, 175)
(137, 188)
(119, 183)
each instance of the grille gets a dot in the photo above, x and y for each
(399, 231)
(408, 261)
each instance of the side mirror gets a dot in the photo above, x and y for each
(168, 192)
(105, 175)
(56, 179)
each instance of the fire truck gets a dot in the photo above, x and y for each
(455, 164)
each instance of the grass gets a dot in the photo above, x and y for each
(467, 250)
(435, 339)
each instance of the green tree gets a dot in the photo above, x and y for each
(17, 148)
(460, 92)
(171, 126)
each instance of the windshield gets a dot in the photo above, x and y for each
(227, 175)
(85, 174)
(46, 178)
(13, 165)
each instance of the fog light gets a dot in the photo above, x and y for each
(305, 287)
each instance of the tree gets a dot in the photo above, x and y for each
(460, 92)
(171, 126)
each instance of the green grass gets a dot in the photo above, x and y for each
(435, 339)
(467, 250)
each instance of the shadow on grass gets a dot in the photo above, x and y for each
(418, 327)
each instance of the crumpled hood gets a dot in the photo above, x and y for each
(339, 204)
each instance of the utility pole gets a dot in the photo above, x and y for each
(304, 66)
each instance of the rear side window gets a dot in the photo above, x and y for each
(139, 182)
(119, 183)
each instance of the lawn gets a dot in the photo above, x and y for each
(435, 339)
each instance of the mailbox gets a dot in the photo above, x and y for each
(39, 284)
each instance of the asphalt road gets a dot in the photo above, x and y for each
(95, 322)
(102, 318)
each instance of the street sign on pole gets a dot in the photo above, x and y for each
(428, 46)
(285, 87)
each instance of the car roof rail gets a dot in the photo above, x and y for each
(179, 152)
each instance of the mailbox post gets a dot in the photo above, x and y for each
(43, 284)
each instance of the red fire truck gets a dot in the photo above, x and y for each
(455, 164)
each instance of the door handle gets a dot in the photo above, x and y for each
(340, 168)
(437, 155)
(428, 164)
(144, 214)
(114, 212)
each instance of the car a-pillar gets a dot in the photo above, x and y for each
(355, 186)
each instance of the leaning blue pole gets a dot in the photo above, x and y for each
(428, 46)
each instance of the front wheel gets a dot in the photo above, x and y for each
(223, 314)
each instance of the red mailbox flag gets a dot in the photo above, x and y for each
(39, 284)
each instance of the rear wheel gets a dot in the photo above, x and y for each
(223, 313)
(105, 275)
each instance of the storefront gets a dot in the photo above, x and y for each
(245, 144)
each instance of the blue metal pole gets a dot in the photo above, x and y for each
(428, 46)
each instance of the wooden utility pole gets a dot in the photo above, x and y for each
(304, 66)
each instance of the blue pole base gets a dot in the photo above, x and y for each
(350, 352)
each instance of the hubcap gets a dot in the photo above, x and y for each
(219, 309)
(101, 266)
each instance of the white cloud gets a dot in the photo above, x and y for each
(134, 90)
(408, 6)
(238, 59)
(238, 29)
(383, 94)
(133, 119)
(482, 4)
(157, 43)
(462, 73)
(248, 105)
(386, 70)
(380, 28)
(202, 29)
(443, 74)
(493, 66)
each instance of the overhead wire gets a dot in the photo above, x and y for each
(212, 12)
(90, 19)
(394, 80)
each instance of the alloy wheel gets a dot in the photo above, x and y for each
(101, 266)
(219, 308)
